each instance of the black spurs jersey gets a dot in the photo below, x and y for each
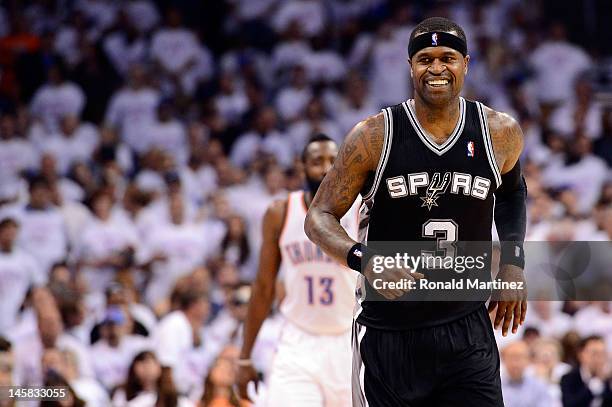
(438, 196)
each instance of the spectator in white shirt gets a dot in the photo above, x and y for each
(548, 367)
(161, 186)
(132, 109)
(315, 122)
(179, 54)
(291, 100)
(178, 246)
(226, 328)
(42, 229)
(519, 389)
(324, 65)
(65, 363)
(57, 98)
(50, 334)
(309, 14)
(579, 114)
(294, 49)
(557, 63)
(68, 36)
(74, 142)
(355, 104)
(583, 172)
(167, 134)
(178, 336)
(126, 46)
(18, 272)
(86, 387)
(101, 14)
(214, 226)
(231, 102)
(111, 355)
(259, 198)
(385, 54)
(263, 138)
(547, 317)
(62, 188)
(77, 321)
(107, 243)
(174, 46)
(199, 178)
(154, 164)
(16, 155)
(594, 319)
(26, 324)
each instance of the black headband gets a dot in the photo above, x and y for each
(436, 39)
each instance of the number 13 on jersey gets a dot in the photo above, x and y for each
(319, 290)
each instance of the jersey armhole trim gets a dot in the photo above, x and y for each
(384, 155)
(486, 135)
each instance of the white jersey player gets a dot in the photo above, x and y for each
(312, 366)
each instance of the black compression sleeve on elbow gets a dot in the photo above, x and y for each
(511, 179)
(511, 216)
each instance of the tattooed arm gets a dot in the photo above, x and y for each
(357, 158)
(510, 219)
(507, 138)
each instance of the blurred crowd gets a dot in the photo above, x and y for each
(141, 142)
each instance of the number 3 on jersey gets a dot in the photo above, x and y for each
(445, 232)
(323, 289)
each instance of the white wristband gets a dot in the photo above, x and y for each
(244, 362)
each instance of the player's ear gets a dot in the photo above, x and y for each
(410, 64)
(466, 61)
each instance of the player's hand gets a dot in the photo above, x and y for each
(245, 375)
(389, 277)
(511, 303)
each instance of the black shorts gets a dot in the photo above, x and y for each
(455, 364)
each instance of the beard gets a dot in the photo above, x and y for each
(313, 185)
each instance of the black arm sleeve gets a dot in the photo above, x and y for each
(511, 216)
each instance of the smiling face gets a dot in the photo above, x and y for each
(438, 74)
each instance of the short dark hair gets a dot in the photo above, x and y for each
(315, 139)
(185, 297)
(4, 222)
(437, 24)
(591, 338)
(5, 345)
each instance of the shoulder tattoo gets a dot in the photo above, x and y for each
(507, 138)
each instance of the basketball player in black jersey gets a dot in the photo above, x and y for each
(435, 169)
